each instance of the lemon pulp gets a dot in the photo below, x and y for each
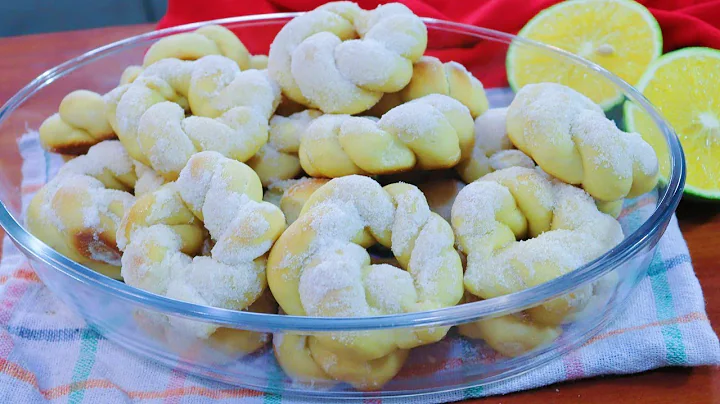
(685, 88)
(619, 35)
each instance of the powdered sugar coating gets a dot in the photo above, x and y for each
(492, 149)
(107, 155)
(433, 251)
(368, 199)
(217, 85)
(339, 272)
(319, 267)
(390, 289)
(318, 62)
(333, 276)
(474, 210)
(293, 33)
(411, 215)
(286, 132)
(230, 108)
(570, 138)
(510, 158)
(84, 203)
(226, 195)
(490, 134)
(278, 159)
(139, 271)
(148, 179)
(490, 216)
(313, 67)
(412, 121)
(426, 133)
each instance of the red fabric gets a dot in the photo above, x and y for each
(683, 22)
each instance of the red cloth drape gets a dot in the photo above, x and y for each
(683, 22)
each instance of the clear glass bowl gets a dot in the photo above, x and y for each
(120, 312)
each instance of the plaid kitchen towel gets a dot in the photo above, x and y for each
(48, 354)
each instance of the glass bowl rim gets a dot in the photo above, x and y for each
(501, 305)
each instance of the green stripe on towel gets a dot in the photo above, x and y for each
(666, 310)
(83, 366)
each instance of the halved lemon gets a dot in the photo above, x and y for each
(619, 35)
(684, 86)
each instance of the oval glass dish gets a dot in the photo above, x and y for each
(123, 314)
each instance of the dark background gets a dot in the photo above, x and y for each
(22, 17)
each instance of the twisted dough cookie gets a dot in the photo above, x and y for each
(318, 62)
(511, 335)
(81, 121)
(79, 124)
(164, 230)
(130, 74)
(231, 111)
(319, 267)
(223, 347)
(431, 76)
(492, 149)
(78, 212)
(207, 40)
(612, 208)
(307, 360)
(429, 133)
(258, 62)
(278, 159)
(566, 231)
(148, 180)
(290, 195)
(570, 138)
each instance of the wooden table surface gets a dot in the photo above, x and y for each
(23, 58)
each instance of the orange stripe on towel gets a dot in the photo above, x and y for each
(27, 189)
(688, 318)
(22, 273)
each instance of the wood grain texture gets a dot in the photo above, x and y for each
(26, 57)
